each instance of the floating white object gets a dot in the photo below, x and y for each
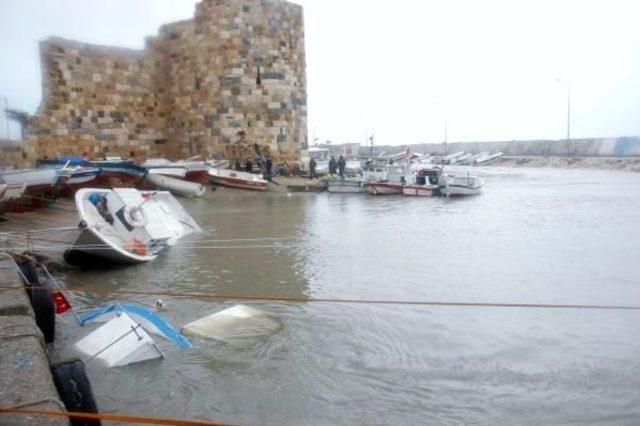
(119, 342)
(234, 325)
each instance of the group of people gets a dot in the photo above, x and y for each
(261, 162)
(335, 167)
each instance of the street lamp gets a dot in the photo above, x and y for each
(6, 115)
(446, 125)
(559, 80)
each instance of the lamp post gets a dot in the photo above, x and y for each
(559, 80)
(446, 125)
(6, 115)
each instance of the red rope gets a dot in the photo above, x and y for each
(117, 417)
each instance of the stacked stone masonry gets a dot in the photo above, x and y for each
(237, 65)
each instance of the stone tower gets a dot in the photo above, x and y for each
(237, 65)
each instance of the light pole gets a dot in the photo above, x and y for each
(6, 115)
(559, 80)
(446, 125)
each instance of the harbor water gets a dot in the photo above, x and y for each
(543, 236)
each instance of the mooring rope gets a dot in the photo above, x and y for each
(114, 417)
(266, 298)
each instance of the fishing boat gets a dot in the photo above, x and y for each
(9, 194)
(118, 173)
(462, 185)
(368, 172)
(347, 186)
(236, 179)
(39, 187)
(175, 186)
(114, 172)
(396, 179)
(426, 183)
(124, 225)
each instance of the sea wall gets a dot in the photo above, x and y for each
(588, 147)
(237, 65)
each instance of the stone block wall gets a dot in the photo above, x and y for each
(237, 65)
(11, 155)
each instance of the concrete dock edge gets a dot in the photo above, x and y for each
(25, 375)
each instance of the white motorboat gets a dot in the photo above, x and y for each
(191, 170)
(462, 185)
(370, 172)
(124, 225)
(35, 179)
(236, 179)
(486, 158)
(181, 187)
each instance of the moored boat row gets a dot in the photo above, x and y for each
(393, 179)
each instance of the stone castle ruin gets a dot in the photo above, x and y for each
(238, 65)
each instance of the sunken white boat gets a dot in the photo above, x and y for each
(124, 225)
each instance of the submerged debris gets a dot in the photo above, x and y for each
(234, 325)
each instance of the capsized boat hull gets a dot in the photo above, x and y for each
(175, 186)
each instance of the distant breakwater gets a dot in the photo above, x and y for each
(631, 164)
(627, 146)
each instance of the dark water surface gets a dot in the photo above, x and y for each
(534, 236)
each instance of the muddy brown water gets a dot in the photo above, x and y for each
(534, 236)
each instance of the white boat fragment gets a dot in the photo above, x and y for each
(234, 325)
(119, 342)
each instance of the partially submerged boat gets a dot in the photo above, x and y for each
(236, 179)
(124, 225)
(234, 325)
(124, 338)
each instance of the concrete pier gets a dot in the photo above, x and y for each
(25, 376)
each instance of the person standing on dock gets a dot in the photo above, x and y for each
(312, 169)
(333, 166)
(342, 165)
(248, 166)
(238, 166)
(268, 165)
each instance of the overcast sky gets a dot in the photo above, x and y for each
(397, 68)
